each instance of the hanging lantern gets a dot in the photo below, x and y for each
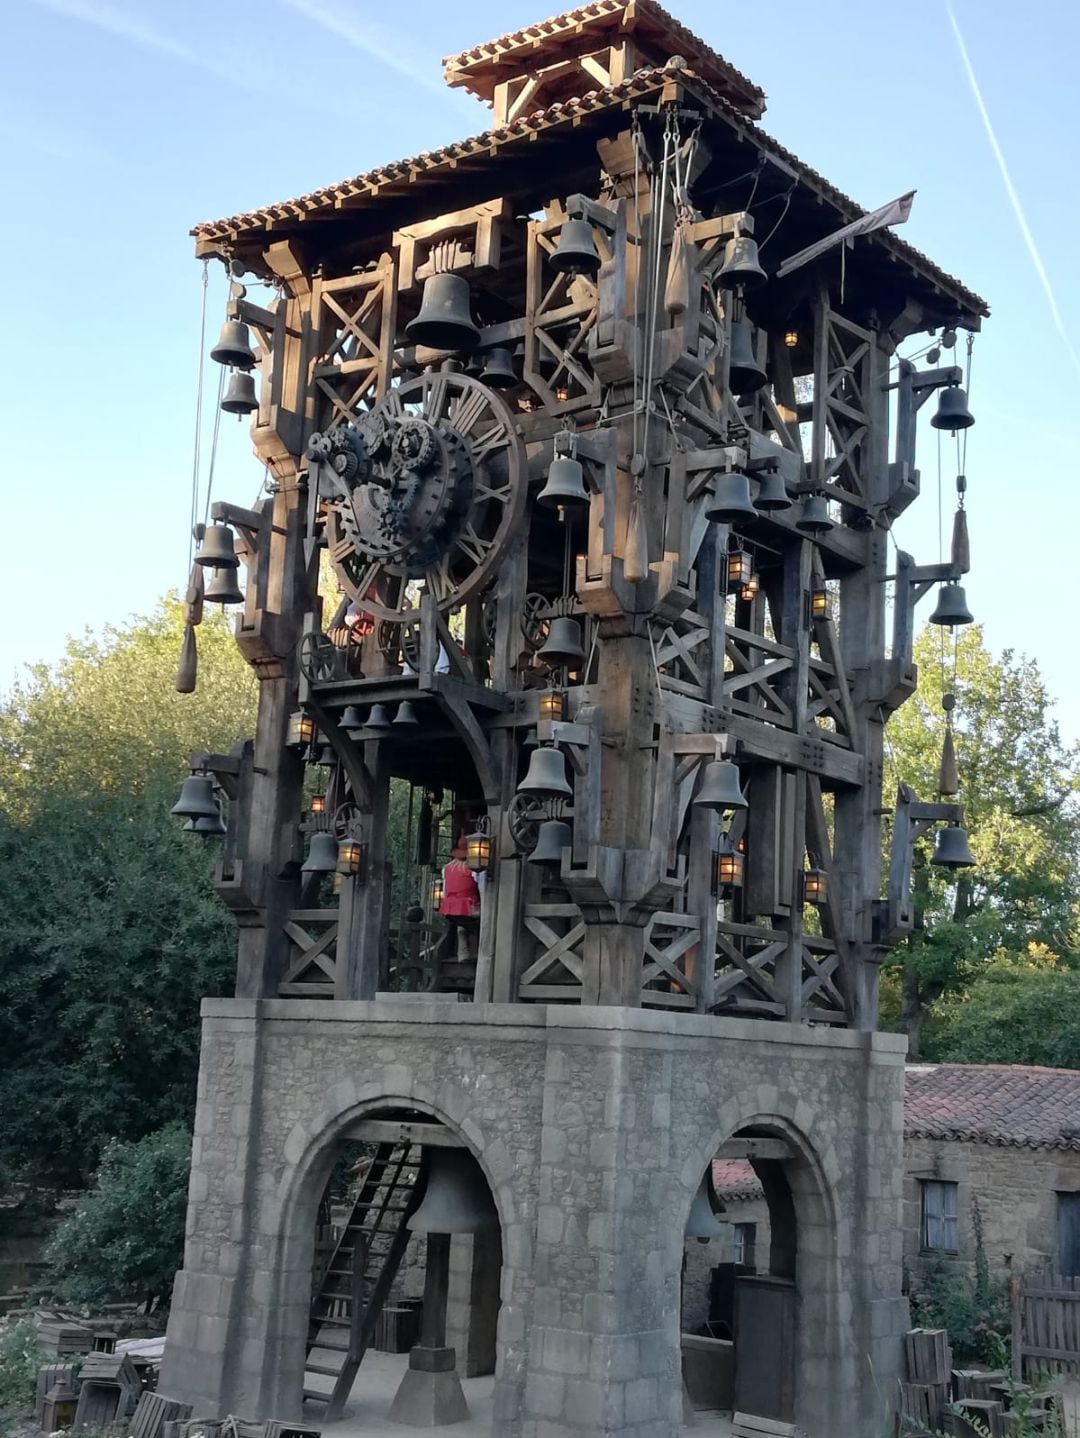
(553, 705)
(234, 346)
(478, 849)
(739, 568)
(720, 789)
(301, 730)
(750, 589)
(437, 889)
(350, 858)
(951, 850)
(791, 338)
(815, 886)
(819, 604)
(322, 855)
(562, 393)
(318, 804)
(730, 867)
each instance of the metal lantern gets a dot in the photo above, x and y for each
(234, 346)
(240, 396)
(444, 321)
(350, 858)
(791, 338)
(951, 849)
(951, 607)
(322, 855)
(739, 568)
(196, 799)
(750, 589)
(478, 849)
(730, 867)
(565, 483)
(815, 886)
(576, 252)
(720, 789)
(552, 705)
(318, 804)
(741, 265)
(952, 411)
(546, 775)
(552, 838)
(217, 550)
(819, 604)
(301, 730)
(437, 888)
(730, 499)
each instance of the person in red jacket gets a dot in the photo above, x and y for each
(460, 904)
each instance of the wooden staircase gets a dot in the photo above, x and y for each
(357, 1280)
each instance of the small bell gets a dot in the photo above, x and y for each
(565, 483)
(563, 644)
(576, 252)
(952, 410)
(814, 515)
(351, 719)
(223, 588)
(196, 799)
(702, 1223)
(720, 789)
(951, 608)
(216, 550)
(498, 370)
(772, 494)
(322, 856)
(405, 716)
(730, 500)
(741, 265)
(952, 851)
(234, 346)
(554, 836)
(744, 373)
(546, 775)
(444, 321)
(377, 717)
(240, 396)
(209, 826)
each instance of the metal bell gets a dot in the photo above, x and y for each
(951, 608)
(720, 789)
(351, 719)
(405, 715)
(216, 549)
(223, 588)
(730, 500)
(209, 826)
(234, 346)
(702, 1222)
(457, 1198)
(576, 252)
(744, 373)
(741, 266)
(546, 775)
(498, 371)
(563, 644)
(196, 799)
(240, 396)
(952, 410)
(772, 493)
(951, 850)
(565, 483)
(554, 836)
(444, 321)
(377, 718)
(322, 856)
(814, 515)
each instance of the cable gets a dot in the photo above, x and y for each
(197, 446)
(214, 445)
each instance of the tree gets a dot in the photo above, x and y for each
(1019, 789)
(1017, 1011)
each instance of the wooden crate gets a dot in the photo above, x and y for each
(929, 1357)
(746, 1425)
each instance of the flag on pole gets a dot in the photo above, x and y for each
(894, 213)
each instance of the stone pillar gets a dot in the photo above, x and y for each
(473, 1308)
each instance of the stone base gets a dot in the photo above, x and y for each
(429, 1395)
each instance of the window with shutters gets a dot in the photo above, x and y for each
(939, 1227)
(743, 1240)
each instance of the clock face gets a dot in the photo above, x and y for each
(427, 488)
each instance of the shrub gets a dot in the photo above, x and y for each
(20, 1358)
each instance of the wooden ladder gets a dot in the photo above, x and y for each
(357, 1280)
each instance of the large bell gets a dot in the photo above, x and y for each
(576, 252)
(814, 517)
(554, 836)
(952, 410)
(772, 494)
(240, 396)
(951, 851)
(322, 856)
(498, 371)
(377, 717)
(563, 644)
(216, 549)
(702, 1222)
(730, 501)
(951, 607)
(444, 321)
(457, 1198)
(720, 789)
(546, 775)
(234, 346)
(405, 715)
(741, 265)
(744, 373)
(196, 799)
(565, 483)
(223, 588)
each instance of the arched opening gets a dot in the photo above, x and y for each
(405, 1277)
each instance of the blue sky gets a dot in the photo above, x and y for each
(123, 122)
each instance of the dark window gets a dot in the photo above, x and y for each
(939, 1234)
(1069, 1233)
(742, 1243)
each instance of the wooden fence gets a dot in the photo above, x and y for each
(1045, 1324)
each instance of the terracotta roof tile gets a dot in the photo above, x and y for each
(993, 1103)
(735, 1180)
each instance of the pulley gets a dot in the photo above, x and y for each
(720, 789)
(322, 856)
(196, 799)
(217, 548)
(405, 715)
(813, 517)
(565, 483)
(730, 500)
(223, 588)
(703, 1223)
(741, 265)
(457, 1198)
(563, 644)
(234, 346)
(546, 775)
(444, 321)
(951, 850)
(744, 373)
(772, 493)
(952, 410)
(553, 837)
(951, 607)
(576, 252)
(240, 396)
(377, 717)
(498, 371)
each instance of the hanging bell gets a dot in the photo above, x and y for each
(951, 850)
(554, 836)
(456, 1197)
(730, 500)
(741, 265)
(565, 483)
(952, 410)
(209, 826)
(240, 396)
(772, 493)
(216, 549)
(377, 717)
(351, 719)
(498, 371)
(576, 252)
(223, 588)
(444, 321)
(744, 373)
(814, 515)
(702, 1222)
(322, 856)
(951, 607)
(196, 799)
(720, 789)
(405, 715)
(546, 775)
(563, 644)
(234, 346)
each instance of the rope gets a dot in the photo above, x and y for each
(197, 446)
(214, 444)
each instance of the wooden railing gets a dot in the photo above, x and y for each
(1045, 1324)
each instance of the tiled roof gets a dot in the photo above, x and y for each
(993, 1103)
(735, 1180)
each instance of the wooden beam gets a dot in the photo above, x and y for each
(765, 1148)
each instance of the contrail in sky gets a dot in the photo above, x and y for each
(366, 37)
(1014, 198)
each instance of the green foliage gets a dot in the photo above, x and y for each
(1014, 1012)
(20, 1358)
(125, 1240)
(950, 1299)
